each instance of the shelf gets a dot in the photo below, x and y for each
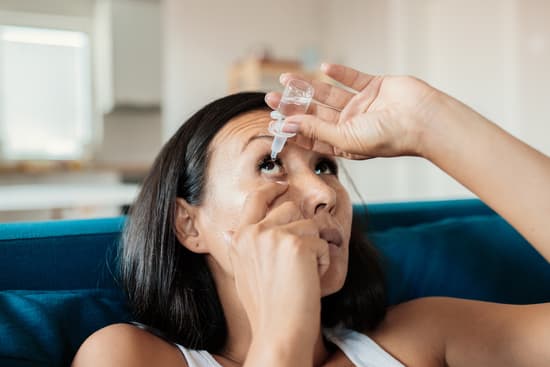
(52, 167)
(262, 74)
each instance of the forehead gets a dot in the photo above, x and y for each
(240, 128)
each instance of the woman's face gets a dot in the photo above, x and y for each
(240, 162)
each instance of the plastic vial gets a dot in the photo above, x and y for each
(295, 100)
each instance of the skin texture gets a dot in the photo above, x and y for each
(260, 236)
(396, 115)
(280, 206)
(312, 197)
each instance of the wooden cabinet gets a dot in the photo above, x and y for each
(255, 74)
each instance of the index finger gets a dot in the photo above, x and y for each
(349, 77)
(313, 144)
(326, 113)
(258, 202)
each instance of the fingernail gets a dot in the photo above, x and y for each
(324, 66)
(291, 127)
(268, 97)
(283, 78)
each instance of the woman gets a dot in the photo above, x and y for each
(230, 251)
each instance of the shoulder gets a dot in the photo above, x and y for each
(412, 332)
(124, 344)
(442, 330)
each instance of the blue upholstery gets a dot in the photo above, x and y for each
(478, 257)
(57, 285)
(59, 254)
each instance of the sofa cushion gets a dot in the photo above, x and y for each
(77, 254)
(479, 257)
(476, 257)
(45, 328)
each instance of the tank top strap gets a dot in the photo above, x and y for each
(197, 358)
(360, 349)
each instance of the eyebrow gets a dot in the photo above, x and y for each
(255, 137)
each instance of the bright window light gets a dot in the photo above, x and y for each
(45, 93)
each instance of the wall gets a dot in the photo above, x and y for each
(202, 38)
(131, 137)
(79, 8)
(493, 55)
(533, 57)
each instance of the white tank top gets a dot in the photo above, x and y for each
(359, 348)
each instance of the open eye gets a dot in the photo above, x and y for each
(326, 167)
(269, 166)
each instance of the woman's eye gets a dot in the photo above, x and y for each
(326, 167)
(271, 166)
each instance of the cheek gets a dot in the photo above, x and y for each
(224, 199)
(219, 212)
(335, 277)
(345, 209)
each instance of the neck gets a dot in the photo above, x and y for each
(239, 334)
(238, 343)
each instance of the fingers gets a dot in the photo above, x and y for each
(308, 231)
(332, 96)
(325, 93)
(362, 100)
(326, 113)
(258, 202)
(347, 76)
(320, 248)
(315, 129)
(285, 213)
(314, 145)
(323, 255)
(302, 228)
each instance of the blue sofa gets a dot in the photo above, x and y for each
(57, 283)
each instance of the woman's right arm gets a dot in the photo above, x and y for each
(273, 351)
(126, 345)
(395, 116)
(270, 250)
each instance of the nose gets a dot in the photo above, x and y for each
(314, 194)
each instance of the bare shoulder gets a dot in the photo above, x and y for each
(124, 344)
(458, 332)
(411, 332)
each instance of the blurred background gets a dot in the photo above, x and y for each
(90, 89)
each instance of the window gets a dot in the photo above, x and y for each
(45, 94)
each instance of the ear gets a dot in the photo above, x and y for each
(186, 231)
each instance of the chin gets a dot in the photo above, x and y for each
(333, 280)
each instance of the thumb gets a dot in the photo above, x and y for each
(313, 128)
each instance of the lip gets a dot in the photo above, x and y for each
(332, 236)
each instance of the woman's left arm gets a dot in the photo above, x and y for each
(507, 174)
(396, 116)
(441, 331)
(489, 334)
